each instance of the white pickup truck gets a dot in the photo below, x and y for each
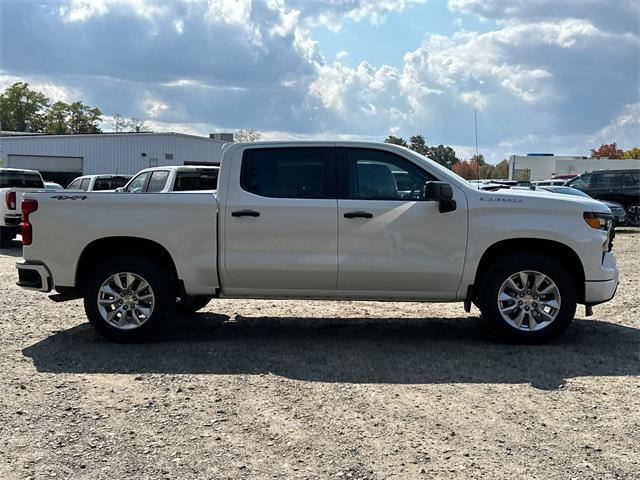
(177, 178)
(320, 220)
(14, 183)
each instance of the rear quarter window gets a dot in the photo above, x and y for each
(196, 180)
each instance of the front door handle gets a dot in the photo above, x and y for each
(245, 213)
(358, 214)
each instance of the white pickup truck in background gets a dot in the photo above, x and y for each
(99, 183)
(180, 178)
(13, 183)
(323, 220)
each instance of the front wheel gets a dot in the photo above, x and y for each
(528, 298)
(127, 298)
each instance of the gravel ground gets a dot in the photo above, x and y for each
(351, 390)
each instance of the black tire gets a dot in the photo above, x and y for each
(511, 265)
(633, 215)
(4, 237)
(161, 285)
(194, 304)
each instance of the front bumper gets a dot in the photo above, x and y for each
(619, 218)
(603, 290)
(34, 276)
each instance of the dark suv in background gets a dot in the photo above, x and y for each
(621, 186)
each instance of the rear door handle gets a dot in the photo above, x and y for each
(358, 214)
(245, 213)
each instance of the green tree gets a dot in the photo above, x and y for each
(444, 155)
(396, 141)
(84, 119)
(418, 145)
(502, 169)
(56, 120)
(22, 109)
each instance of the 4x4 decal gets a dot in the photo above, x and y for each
(70, 197)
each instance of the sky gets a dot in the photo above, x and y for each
(559, 76)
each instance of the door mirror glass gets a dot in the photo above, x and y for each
(442, 193)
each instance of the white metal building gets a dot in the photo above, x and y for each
(541, 167)
(61, 158)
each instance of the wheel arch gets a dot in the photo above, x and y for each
(93, 254)
(557, 251)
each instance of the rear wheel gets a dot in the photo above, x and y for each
(127, 298)
(528, 298)
(633, 215)
(4, 240)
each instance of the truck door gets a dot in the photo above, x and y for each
(281, 221)
(389, 238)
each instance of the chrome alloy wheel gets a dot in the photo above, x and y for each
(529, 301)
(125, 300)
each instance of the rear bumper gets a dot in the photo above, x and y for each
(12, 220)
(34, 276)
(602, 290)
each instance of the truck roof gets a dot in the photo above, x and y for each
(18, 170)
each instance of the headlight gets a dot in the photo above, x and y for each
(599, 221)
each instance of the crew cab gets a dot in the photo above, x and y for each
(181, 178)
(13, 184)
(322, 220)
(94, 183)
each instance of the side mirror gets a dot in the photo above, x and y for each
(120, 189)
(442, 193)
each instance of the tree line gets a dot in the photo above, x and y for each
(25, 110)
(477, 168)
(473, 168)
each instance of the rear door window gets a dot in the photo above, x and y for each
(194, 180)
(632, 179)
(607, 180)
(109, 183)
(297, 172)
(157, 181)
(102, 184)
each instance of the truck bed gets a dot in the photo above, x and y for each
(182, 224)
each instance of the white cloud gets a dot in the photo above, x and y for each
(623, 130)
(83, 10)
(152, 106)
(54, 91)
(616, 15)
(541, 73)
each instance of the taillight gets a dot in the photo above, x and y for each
(28, 207)
(11, 200)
